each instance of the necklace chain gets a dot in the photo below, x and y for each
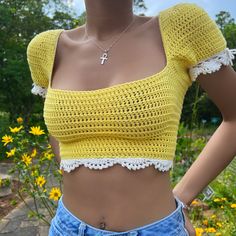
(105, 51)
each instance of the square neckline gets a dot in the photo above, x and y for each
(121, 85)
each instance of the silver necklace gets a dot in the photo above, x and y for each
(105, 51)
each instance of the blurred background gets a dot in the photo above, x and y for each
(20, 21)
(25, 153)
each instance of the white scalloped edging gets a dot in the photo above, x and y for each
(213, 63)
(38, 90)
(101, 163)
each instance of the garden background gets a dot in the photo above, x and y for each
(24, 138)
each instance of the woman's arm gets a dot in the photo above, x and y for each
(221, 148)
(55, 147)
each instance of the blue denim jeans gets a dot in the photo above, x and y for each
(64, 223)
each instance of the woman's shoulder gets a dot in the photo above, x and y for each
(193, 37)
(43, 39)
(189, 28)
(182, 20)
(47, 33)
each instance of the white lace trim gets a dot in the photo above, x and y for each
(38, 90)
(213, 63)
(130, 163)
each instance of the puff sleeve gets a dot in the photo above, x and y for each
(202, 45)
(37, 61)
(40, 57)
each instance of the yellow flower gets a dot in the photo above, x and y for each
(224, 199)
(233, 205)
(40, 181)
(49, 145)
(222, 207)
(60, 171)
(15, 129)
(26, 159)
(219, 224)
(34, 173)
(11, 153)
(19, 120)
(218, 234)
(194, 202)
(55, 193)
(213, 216)
(49, 155)
(199, 231)
(217, 200)
(210, 230)
(7, 139)
(36, 130)
(205, 222)
(34, 152)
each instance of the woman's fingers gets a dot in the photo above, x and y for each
(188, 225)
(191, 230)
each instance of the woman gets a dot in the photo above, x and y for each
(113, 115)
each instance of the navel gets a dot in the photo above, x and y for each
(102, 224)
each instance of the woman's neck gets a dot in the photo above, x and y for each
(107, 18)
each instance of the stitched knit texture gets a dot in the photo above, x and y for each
(132, 120)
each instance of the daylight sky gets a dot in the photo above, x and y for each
(154, 6)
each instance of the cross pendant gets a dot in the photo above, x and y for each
(104, 57)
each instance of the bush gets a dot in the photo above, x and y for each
(34, 165)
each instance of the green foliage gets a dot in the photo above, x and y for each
(139, 5)
(20, 21)
(228, 27)
(13, 202)
(4, 123)
(189, 145)
(223, 19)
(34, 167)
(5, 182)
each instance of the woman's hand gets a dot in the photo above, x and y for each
(188, 224)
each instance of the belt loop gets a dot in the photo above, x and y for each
(82, 228)
(133, 233)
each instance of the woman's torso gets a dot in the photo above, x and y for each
(116, 197)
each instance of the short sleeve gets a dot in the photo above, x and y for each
(37, 51)
(199, 41)
(40, 56)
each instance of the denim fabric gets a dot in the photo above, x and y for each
(64, 223)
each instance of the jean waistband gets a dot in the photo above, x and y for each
(177, 214)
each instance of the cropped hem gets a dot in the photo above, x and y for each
(213, 63)
(38, 90)
(130, 163)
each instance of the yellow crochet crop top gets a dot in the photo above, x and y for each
(133, 124)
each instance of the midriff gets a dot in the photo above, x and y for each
(120, 198)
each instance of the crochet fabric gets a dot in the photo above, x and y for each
(133, 124)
